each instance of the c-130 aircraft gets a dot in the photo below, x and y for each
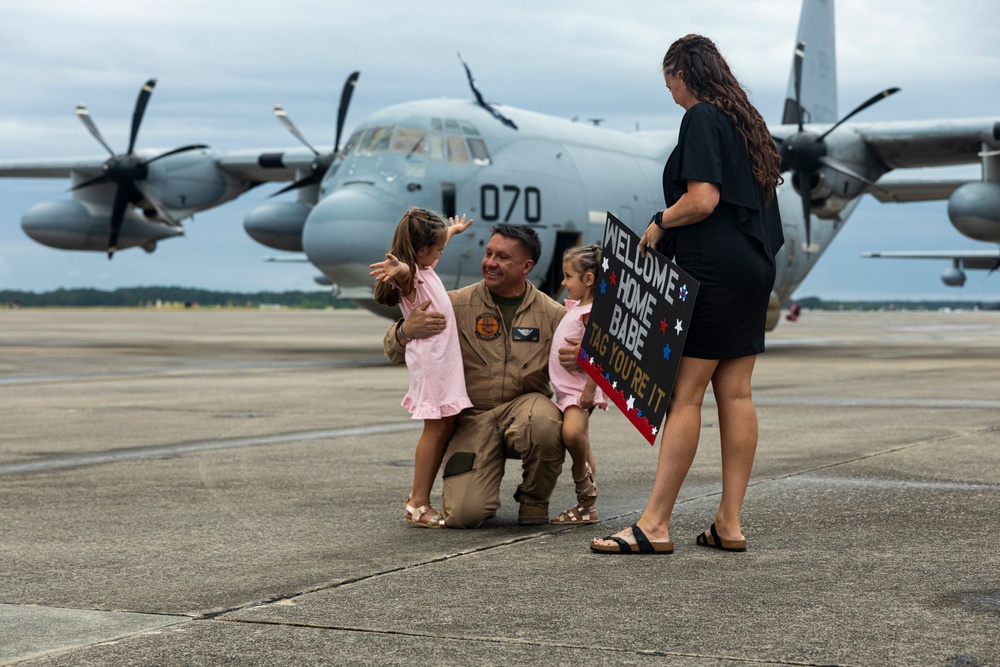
(502, 164)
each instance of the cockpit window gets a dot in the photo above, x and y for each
(461, 142)
(437, 146)
(353, 142)
(457, 151)
(478, 149)
(377, 139)
(449, 140)
(409, 140)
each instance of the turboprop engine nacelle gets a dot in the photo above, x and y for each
(974, 210)
(75, 225)
(278, 225)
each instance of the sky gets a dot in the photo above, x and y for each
(222, 65)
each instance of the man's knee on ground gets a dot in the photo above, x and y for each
(464, 501)
(467, 515)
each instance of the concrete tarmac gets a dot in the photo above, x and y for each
(208, 487)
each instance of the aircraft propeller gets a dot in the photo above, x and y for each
(127, 170)
(321, 164)
(804, 152)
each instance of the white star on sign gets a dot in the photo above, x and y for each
(630, 402)
(678, 328)
(604, 264)
(655, 430)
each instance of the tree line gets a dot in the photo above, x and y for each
(140, 297)
(144, 297)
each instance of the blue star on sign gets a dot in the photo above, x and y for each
(604, 287)
(684, 292)
(666, 351)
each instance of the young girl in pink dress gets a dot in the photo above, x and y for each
(576, 392)
(437, 380)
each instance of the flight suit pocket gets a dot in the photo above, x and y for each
(460, 463)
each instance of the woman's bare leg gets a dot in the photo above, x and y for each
(738, 431)
(678, 445)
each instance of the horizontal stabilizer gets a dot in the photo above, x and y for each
(971, 259)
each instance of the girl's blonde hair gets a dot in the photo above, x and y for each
(418, 228)
(585, 259)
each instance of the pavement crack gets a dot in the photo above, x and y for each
(534, 643)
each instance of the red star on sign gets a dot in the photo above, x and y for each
(614, 280)
(663, 326)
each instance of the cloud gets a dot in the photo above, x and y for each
(222, 65)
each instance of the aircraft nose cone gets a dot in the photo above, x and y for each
(345, 233)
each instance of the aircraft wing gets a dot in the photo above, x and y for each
(970, 259)
(255, 165)
(915, 144)
(932, 143)
(911, 189)
(57, 168)
(261, 165)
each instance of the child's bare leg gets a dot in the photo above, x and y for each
(576, 437)
(427, 458)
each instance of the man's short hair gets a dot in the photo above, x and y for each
(526, 235)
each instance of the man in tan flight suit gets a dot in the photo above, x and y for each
(505, 327)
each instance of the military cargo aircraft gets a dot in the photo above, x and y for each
(499, 163)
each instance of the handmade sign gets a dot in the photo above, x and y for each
(637, 327)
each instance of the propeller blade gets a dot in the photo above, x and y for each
(479, 96)
(311, 179)
(279, 113)
(97, 180)
(800, 53)
(149, 194)
(84, 115)
(803, 179)
(182, 149)
(345, 102)
(847, 171)
(117, 217)
(140, 110)
(861, 107)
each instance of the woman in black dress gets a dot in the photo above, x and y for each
(721, 225)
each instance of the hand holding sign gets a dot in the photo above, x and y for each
(637, 327)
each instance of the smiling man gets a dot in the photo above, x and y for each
(505, 327)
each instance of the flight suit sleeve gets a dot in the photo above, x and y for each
(395, 352)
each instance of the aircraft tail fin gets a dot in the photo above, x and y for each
(819, 66)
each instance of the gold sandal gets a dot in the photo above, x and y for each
(585, 510)
(413, 515)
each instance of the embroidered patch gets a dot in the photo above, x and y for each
(525, 334)
(487, 326)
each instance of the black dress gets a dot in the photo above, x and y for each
(731, 252)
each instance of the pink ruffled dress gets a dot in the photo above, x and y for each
(569, 386)
(437, 379)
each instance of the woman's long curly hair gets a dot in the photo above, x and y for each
(708, 77)
(418, 228)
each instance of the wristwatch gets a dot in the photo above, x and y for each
(657, 220)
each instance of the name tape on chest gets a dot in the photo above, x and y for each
(525, 335)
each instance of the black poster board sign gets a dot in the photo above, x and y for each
(637, 327)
